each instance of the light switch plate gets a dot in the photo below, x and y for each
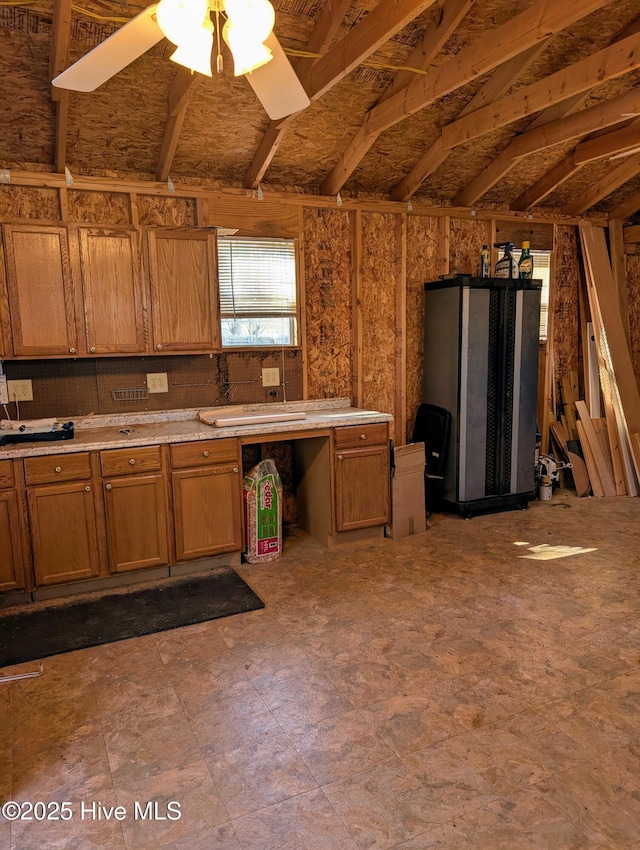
(4, 392)
(271, 377)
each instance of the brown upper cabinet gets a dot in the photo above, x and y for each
(113, 297)
(184, 297)
(40, 289)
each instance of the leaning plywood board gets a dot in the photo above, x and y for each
(592, 469)
(616, 367)
(578, 467)
(604, 472)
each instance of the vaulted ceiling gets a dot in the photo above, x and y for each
(514, 103)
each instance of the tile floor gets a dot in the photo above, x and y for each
(458, 689)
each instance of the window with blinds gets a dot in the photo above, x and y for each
(257, 283)
(541, 271)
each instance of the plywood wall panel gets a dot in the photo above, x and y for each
(327, 271)
(566, 317)
(467, 236)
(99, 207)
(156, 211)
(633, 300)
(423, 264)
(378, 310)
(27, 202)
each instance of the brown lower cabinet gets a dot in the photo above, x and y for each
(361, 476)
(12, 558)
(136, 515)
(207, 498)
(64, 532)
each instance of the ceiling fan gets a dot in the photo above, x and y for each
(247, 29)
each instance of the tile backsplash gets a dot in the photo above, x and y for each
(73, 388)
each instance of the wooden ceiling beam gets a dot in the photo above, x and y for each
(370, 33)
(323, 33)
(182, 87)
(550, 181)
(420, 58)
(605, 186)
(58, 61)
(605, 114)
(628, 207)
(488, 52)
(611, 143)
(606, 64)
(499, 82)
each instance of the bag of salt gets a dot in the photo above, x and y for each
(262, 490)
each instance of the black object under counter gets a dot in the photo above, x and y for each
(481, 365)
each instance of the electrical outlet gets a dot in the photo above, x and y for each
(4, 392)
(271, 377)
(157, 382)
(20, 390)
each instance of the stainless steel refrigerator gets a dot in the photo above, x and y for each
(481, 365)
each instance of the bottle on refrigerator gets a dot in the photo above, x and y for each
(507, 265)
(525, 264)
(485, 262)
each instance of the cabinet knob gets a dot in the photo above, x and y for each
(58, 469)
(205, 454)
(340, 457)
(159, 347)
(107, 486)
(72, 351)
(235, 468)
(132, 462)
(88, 488)
(363, 436)
(92, 349)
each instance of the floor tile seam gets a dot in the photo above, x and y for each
(106, 752)
(290, 732)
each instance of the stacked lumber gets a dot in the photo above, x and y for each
(616, 470)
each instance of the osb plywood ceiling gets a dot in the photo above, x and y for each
(520, 104)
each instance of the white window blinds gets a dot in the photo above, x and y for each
(541, 271)
(257, 277)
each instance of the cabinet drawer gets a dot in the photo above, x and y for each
(53, 468)
(6, 473)
(361, 435)
(204, 453)
(121, 461)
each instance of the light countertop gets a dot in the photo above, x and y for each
(180, 426)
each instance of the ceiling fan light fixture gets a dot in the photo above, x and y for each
(195, 52)
(247, 54)
(180, 19)
(254, 18)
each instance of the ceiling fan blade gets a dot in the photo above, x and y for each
(113, 54)
(276, 84)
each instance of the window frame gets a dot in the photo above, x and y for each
(545, 290)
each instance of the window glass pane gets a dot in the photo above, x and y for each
(541, 271)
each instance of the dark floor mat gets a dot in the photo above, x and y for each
(51, 628)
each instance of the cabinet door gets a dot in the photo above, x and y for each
(40, 287)
(11, 560)
(63, 532)
(208, 511)
(362, 487)
(112, 292)
(183, 275)
(136, 509)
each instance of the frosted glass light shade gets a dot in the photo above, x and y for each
(195, 52)
(254, 18)
(248, 53)
(179, 19)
